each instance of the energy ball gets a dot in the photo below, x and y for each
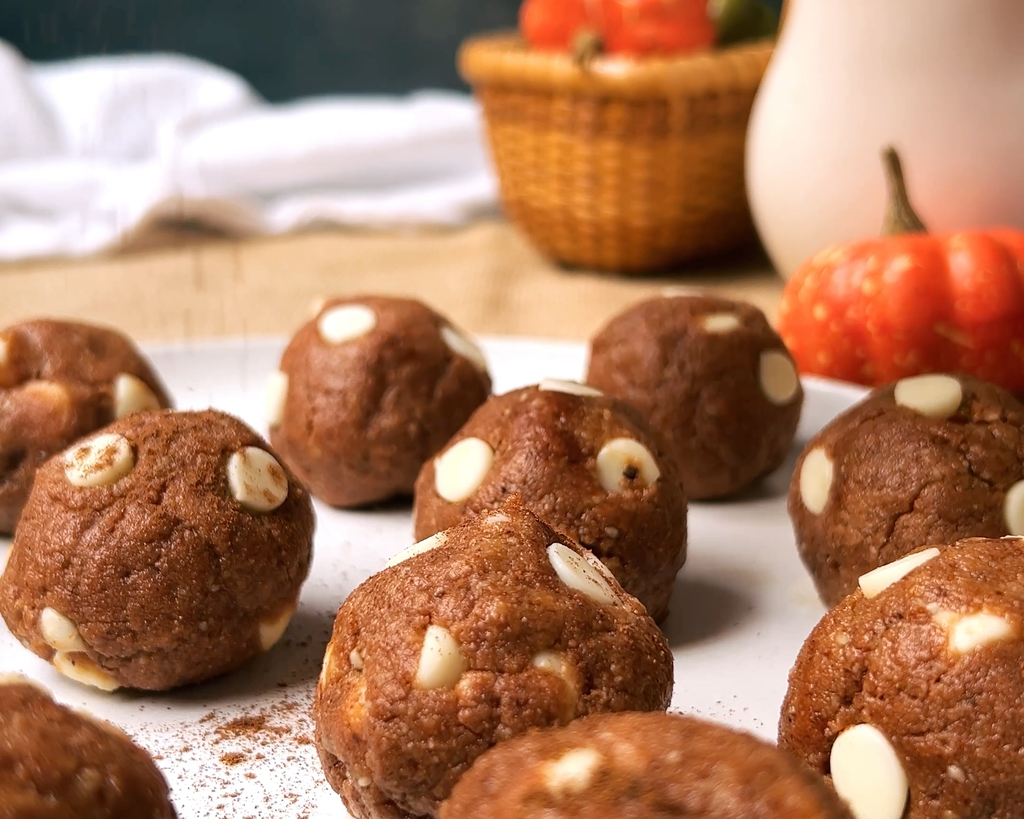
(713, 378)
(368, 391)
(487, 630)
(640, 766)
(167, 549)
(56, 763)
(585, 463)
(60, 381)
(929, 459)
(909, 693)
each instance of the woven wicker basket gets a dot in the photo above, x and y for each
(627, 166)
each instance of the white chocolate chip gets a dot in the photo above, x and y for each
(327, 743)
(364, 782)
(578, 573)
(624, 463)
(277, 396)
(721, 322)
(327, 671)
(1013, 509)
(355, 659)
(568, 387)
(935, 396)
(974, 631)
(877, 581)
(273, 629)
(83, 670)
(132, 394)
(554, 662)
(345, 323)
(572, 773)
(90, 780)
(956, 773)
(460, 470)
(424, 545)
(599, 566)
(257, 480)
(816, 475)
(779, 381)
(868, 775)
(59, 632)
(55, 396)
(461, 344)
(99, 461)
(441, 661)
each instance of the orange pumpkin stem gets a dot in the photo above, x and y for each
(586, 46)
(900, 216)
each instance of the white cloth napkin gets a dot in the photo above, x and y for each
(94, 151)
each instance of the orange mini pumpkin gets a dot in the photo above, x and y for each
(908, 303)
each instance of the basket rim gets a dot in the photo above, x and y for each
(504, 59)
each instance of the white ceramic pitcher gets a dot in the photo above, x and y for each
(942, 80)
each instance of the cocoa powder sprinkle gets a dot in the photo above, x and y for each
(242, 726)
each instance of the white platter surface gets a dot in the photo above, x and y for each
(241, 746)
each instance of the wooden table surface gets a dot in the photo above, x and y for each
(485, 277)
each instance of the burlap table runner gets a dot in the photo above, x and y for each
(485, 277)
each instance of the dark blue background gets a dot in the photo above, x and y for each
(285, 48)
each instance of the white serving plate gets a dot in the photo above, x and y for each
(741, 609)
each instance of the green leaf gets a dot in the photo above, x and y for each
(741, 20)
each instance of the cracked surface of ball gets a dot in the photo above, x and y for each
(59, 764)
(368, 391)
(640, 766)
(712, 377)
(917, 690)
(154, 573)
(916, 462)
(586, 464)
(469, 643)
(60, 381)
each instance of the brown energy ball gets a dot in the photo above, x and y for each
(487, 630)
(59, 764)
(367, 392)
(713, 378)
(640, 766)
(930, 459)
(59, 381)
(584, 463)
(910, 694)
(167, 549)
